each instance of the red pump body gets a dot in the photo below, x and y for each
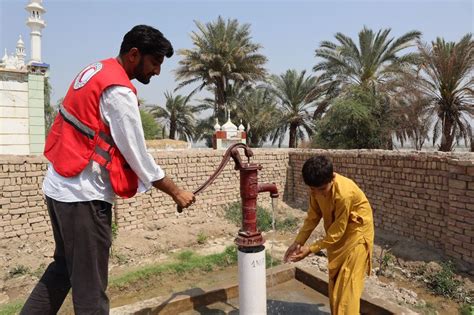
(249, 235)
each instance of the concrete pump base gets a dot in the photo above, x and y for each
(290, 290)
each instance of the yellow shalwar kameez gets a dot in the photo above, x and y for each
(349, 241)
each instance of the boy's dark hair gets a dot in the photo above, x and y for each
(148, 40)
(317, 171)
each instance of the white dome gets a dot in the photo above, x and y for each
(229, 126)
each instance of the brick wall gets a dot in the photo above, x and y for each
(425, 196)
(190, 169)
(23, 212)
(428, 197)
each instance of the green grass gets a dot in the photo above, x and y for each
(466, 309)
(186, 261)
(11, 308)
(233, 213)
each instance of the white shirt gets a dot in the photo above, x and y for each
(119, 110)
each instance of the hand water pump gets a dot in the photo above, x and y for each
(251, 253)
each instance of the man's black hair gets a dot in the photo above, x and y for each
(148, 40)
(317, 171)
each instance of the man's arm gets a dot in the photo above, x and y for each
(119, 108)
(181, 197)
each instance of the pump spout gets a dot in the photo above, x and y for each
(272, 188)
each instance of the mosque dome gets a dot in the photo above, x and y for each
(229, 125)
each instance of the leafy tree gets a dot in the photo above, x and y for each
(150, 128)
(49, 112)
(349, 123)
(446, 77)
(223, 55)
(178, 116)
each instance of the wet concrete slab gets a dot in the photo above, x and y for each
(290, 290)
(290, 297)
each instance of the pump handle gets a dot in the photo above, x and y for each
(233, 152)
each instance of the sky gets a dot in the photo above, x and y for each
(81, 32)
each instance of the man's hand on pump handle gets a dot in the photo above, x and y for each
(184, 198)
(181, 197)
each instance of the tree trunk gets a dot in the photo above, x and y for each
(172, 130)
(419, 140)
(447, 137)
(220, 96)
(292, 142)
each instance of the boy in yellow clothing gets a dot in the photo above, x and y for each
(349, 230)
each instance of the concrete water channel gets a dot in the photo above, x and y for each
(290, 290)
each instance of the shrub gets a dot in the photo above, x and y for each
(201, 237)
(443, 282)
(18, 271)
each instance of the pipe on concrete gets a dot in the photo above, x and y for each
(252, 281)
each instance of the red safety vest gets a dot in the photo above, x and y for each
(79, 135)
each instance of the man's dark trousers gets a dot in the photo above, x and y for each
(82, 233)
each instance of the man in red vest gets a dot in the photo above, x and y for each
(96, 149)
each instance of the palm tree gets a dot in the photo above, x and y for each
(223, 55)
(411, 115)
(446, 77)
(256, 109)
(374, 62)
(177, 116)
(296, 102)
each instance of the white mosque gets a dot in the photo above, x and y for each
(22, 126)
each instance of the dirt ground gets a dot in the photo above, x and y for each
(22, 262)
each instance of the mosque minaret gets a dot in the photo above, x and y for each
(23, 78)
(36, 23)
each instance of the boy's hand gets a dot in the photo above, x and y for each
(290, 251)
(300, 254)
